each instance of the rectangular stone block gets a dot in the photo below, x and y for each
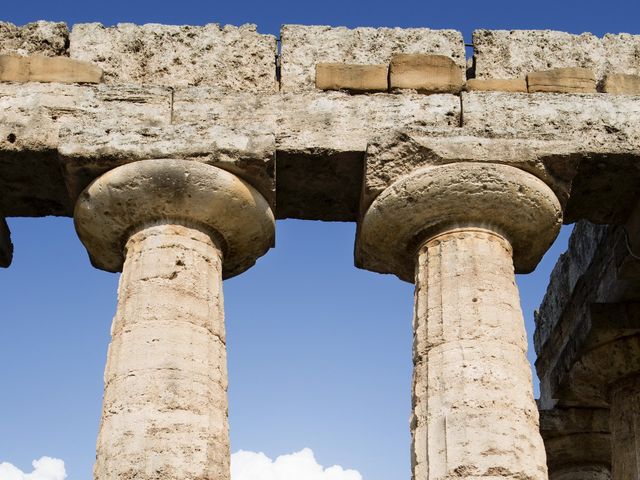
(516, 85)
(425, 73)
(303, 47)
(515, 53)
(621, 84)
(232, 59)
(6, 248)
(42, 38)
(354, 78)
(38, 68)
(562, 80)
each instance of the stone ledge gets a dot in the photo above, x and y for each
(515, 85)
(425, 73)
(620, 84)
(38, 68)
(351, 77)
(562, 80)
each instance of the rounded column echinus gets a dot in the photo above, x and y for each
(458, 230)
(175, 229)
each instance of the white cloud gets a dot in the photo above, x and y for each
(301, 465)
(46, 468)
(245, 465)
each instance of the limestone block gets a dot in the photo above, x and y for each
(621, 53)
(232, 59)
(355, 78)
(303, 47)
(425, 73)
(42, 38)
(38, 68)
(516, 85)
(562, 80)
(87, 151)
(6, 247)
(621, 84)
(514, 53)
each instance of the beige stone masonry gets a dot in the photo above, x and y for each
(38, 68)
(38, 38)
(175, 228)
(6, 247)
(562, 80)
(621, 84)
(425, 73)
(516, 85)
(232, 59)
(353, 78)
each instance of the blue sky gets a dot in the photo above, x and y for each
(319, 352)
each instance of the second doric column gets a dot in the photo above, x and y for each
(460, 229)
(176, 229)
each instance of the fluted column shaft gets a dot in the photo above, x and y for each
(474, 415)
(166, 375)
(625, 429)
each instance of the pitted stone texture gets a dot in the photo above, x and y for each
(204, 195)
(6, 247)
(165, 402)
(515, 53)
(303, 47)
(88, 151)
(42, 38)
(430, 200)
(625, 429)
(232, 59)
(474, 415)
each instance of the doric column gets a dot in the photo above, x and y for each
(460, 228)
(625, 429)
(175, 228)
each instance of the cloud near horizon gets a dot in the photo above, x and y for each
(301, 465)
(245, 465)
(46, 468)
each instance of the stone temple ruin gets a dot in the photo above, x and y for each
(175, 148)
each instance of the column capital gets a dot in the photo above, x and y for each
(431, 200)
(145, 192)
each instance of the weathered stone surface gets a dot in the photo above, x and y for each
(425, 73)
(515, 53)
(42, 38)
(473, 410)
(577, 441)
(320, 138)
(352, 77)
(562, 80)
(38, 68)
(6, 247)
(625, 433)
(620, 84)
(436, 198)
(516, 85)
(604, 129)
(174, 189)
(303, 47)
(86, 152)
(165, 399)
(232, 59)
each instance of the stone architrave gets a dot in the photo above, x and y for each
(461, 229)
(175, 228)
